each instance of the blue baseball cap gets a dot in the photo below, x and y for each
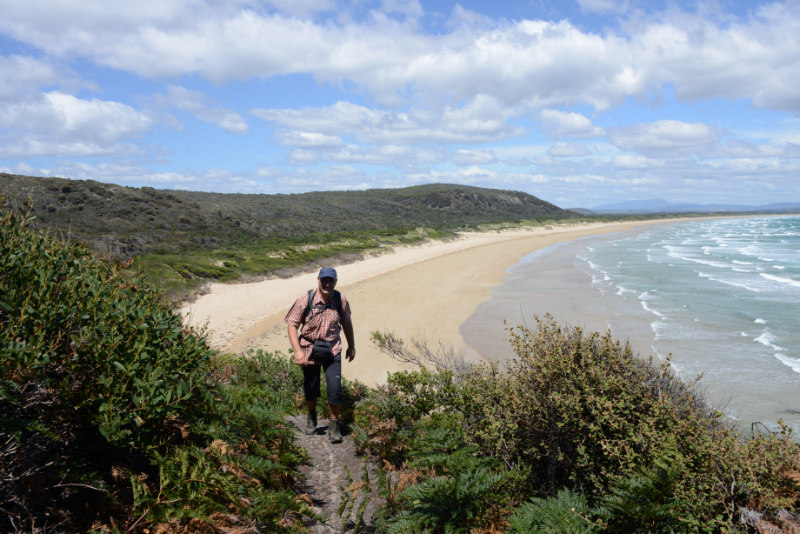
(327, 272)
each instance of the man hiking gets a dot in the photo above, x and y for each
(322, 313)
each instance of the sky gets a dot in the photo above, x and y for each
(578, 102)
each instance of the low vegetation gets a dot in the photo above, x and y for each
(114, 417)
(577, 434)
(183, 239)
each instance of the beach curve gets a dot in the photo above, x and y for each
(416, 292)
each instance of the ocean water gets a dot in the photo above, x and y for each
(721, 296)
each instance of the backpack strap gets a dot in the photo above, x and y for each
(308, 304)
(337, 301)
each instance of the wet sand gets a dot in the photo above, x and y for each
(549, 282)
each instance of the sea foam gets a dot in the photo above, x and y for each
(780, 279)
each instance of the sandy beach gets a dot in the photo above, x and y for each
(416, 292)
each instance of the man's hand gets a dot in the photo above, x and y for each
(351, 353)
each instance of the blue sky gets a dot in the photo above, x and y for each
(580, 103)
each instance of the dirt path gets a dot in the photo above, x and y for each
(326, 478)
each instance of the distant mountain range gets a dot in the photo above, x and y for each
(659, 205)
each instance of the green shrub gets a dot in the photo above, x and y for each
(386, 420)
(108, 347)
(565, 513)
(113, 416)
(456, 489)
(582, 408)
(646, 499)
(241, 455)
(273, 372)
(581, 411)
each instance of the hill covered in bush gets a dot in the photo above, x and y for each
(182, 239)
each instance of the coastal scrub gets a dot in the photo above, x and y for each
(576, 412)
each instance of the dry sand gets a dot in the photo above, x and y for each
(417, 292)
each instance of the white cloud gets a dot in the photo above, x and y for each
(478, 121)
(421, 100)
(32, 147)
(303, 8)
(563, 150)
(100, 120)
(465, 19)
(516, 161)
(528, 62)
(391, 155)
(55, 123)
(408, 8)
(743, 149)
(568, 124)
(664, 137)
(352, 187)
(300, 156)
(19, 75)
(473, 157)
(308, 139)
(635, 162)
(23, 169)
(752, 58)
(203, 108)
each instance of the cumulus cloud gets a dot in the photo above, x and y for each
(308, 139)
(742, 149)
(750, 58)
(32, 147)
(19, 75)
(568, 124)
(473, 157)
(664, 137)
(534, 63)
(390, 155)
(478, 121)
(635, 162)
(202, 107)
(421, 100)
(55, 123)
(516, 161)
(565, 150)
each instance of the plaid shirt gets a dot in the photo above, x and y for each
(323, 322)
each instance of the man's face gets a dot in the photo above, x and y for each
(326, 285)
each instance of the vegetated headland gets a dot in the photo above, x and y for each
(182, 240)
(116, 417)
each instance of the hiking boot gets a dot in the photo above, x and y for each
(334, 434)
(311, 423)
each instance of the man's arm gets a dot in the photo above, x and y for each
(294, 338)
(347, 326)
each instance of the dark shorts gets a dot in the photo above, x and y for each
(333, 380)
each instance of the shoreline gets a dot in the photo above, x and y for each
(549, 282)
(423, 292)
(704, 337)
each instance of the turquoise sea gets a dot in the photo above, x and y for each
(721, 295)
